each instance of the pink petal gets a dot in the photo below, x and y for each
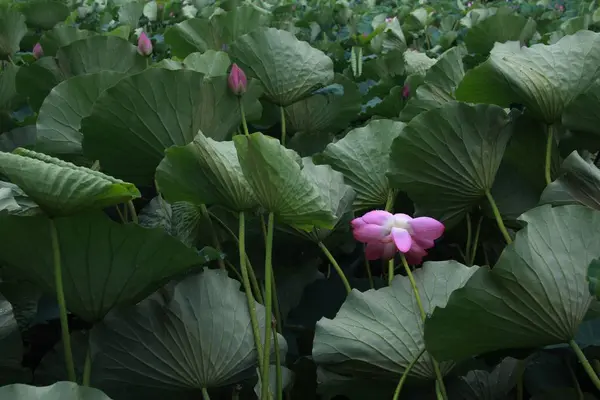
(369, 233)
(357, 223)
(415, 255)
(377, 217)
(402, 239)
(377, 250)
(426, 228)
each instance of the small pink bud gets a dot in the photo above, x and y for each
(38, 52)
(237, 80)
(144, 46)
(405, 92)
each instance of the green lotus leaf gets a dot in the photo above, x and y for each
(60, 36)
(11, 345)
(205, 339)
(44, 14)
(378, 333)
(58, 391)
(36, 80)
(288, 68)
(105, 264)
(446, 159)
(62, 188)
(130, 13)
(14, 201)
(210, 63)
(593, 278)
(363, 157)
(484, 385)
(275, 176)
(417, 62)
(581, 113)
(540, 77)
(59, 119)
(535, 295)
(8, 89)
(12, 30)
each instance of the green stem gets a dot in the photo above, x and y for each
(475, 242)
(405, 374)
(390, 271)
(205, 395)
(87, 368)
(276, 306)
(549, 142)
(413, 284)
(248, 290)
(244, 123)
(123, 220)
(62, 305)
(131, 208)
(520, 372)
(498, 217)
(95, 166)
(469, 238)
(268, 308)
(389, 204)
(278, 377)
(233, 269)
(283, 128)
(586, 364)
(368, 268)
(336, 266)
(213, 233)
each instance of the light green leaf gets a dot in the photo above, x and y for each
(12, 30)
(44, 14)
(417, 62)
(378, 333)
(211, 63)
(581, 113)
(363, 157)
(446, 159)
(130, 13)
(58, 391)
(287, 378)
(62, 188)
(540, 77)
(205, 341)
(275, 176)
(536, 294)
(288, 68)
(61, 35)
(123, 31)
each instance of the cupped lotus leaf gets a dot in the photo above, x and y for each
(378, 333)
(540, 77)
(44, 14)
(581, 113)
(35, 81)
(105, 264)
(62, 188)
(11, 345)
(288, 68)
(440, 82)
(363, 157)
(535, 295)
(205, 172)
(579, 183)
(195, 335)
(100, 53)
(61, 35)
(484, 385)
(133, 122)
(67, 104)
(275, 176)
(327, 110)
(12, 30)
(210, 63)
(446, 159)
(58, 391)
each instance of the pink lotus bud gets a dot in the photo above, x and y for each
(38, 52)
(144, 46)
(237, 80)
(405, 92)
(386, 233)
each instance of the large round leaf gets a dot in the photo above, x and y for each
(211, 63)
(363, 157)
(44, 14)
(58, 391)
(288, 68)
(536, 295)
(275, 176)
(133, 122)
(447, 158)
(12, 30)
(67, 104)
(104, 263)
(61, 35)
(36, 80)
(205, 172)
(196, 335)
(378, 333)
(62, 188)
(581, 114)
(540, 77)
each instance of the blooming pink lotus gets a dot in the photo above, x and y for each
(38, 52)
(237, 80)
(386, 233)
(144, 46)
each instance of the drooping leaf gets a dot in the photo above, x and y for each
(58, 391)
(288, 68)
(11, 345)
(446, 164)
(378, 333)
(44, 14)
(275, 176)
(581, 114)
(61, 35)
(540, 77)
(536, 295)
(62, 188)
(363, 157)
(59, 119)
(211, 63)
(204, 340)
(104, 263)
(12, 30)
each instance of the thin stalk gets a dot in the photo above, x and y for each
(368, 268)
(389, 204)
(276, 306)
(213, 233)
(95, 166)
(549, 142)
(131, 208)
(498, 217)
(248, 290)
(438, 392)
(475, 242)
(405, 374)
(233, 269)
(390, 271)
(469, 238)
(336, 266)
(586, 364)
(596, 365)
(283, 128)
(62, 305)
(205, 395)
(244, 123)
(268, 308)
(123, 220)
(87, 368)
(413, 284)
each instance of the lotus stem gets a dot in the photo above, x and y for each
(405, 374)
(62, 305)
(337, 267)
(475, 242)
(389, 203)
(205, 395)
(87, 367)
(548, 164)
(278, 377)
(121, 216)
(498, 217)
(268, 308)
(586, 364)
(131, 208)
(244, 123)
(283, 128)
(469, 238)
(390, 271)
(276, 306)
(213, 233)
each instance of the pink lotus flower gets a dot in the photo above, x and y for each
(386, 233)
(237, 80)
(38, 52)
(405, 92)
(144, 46)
